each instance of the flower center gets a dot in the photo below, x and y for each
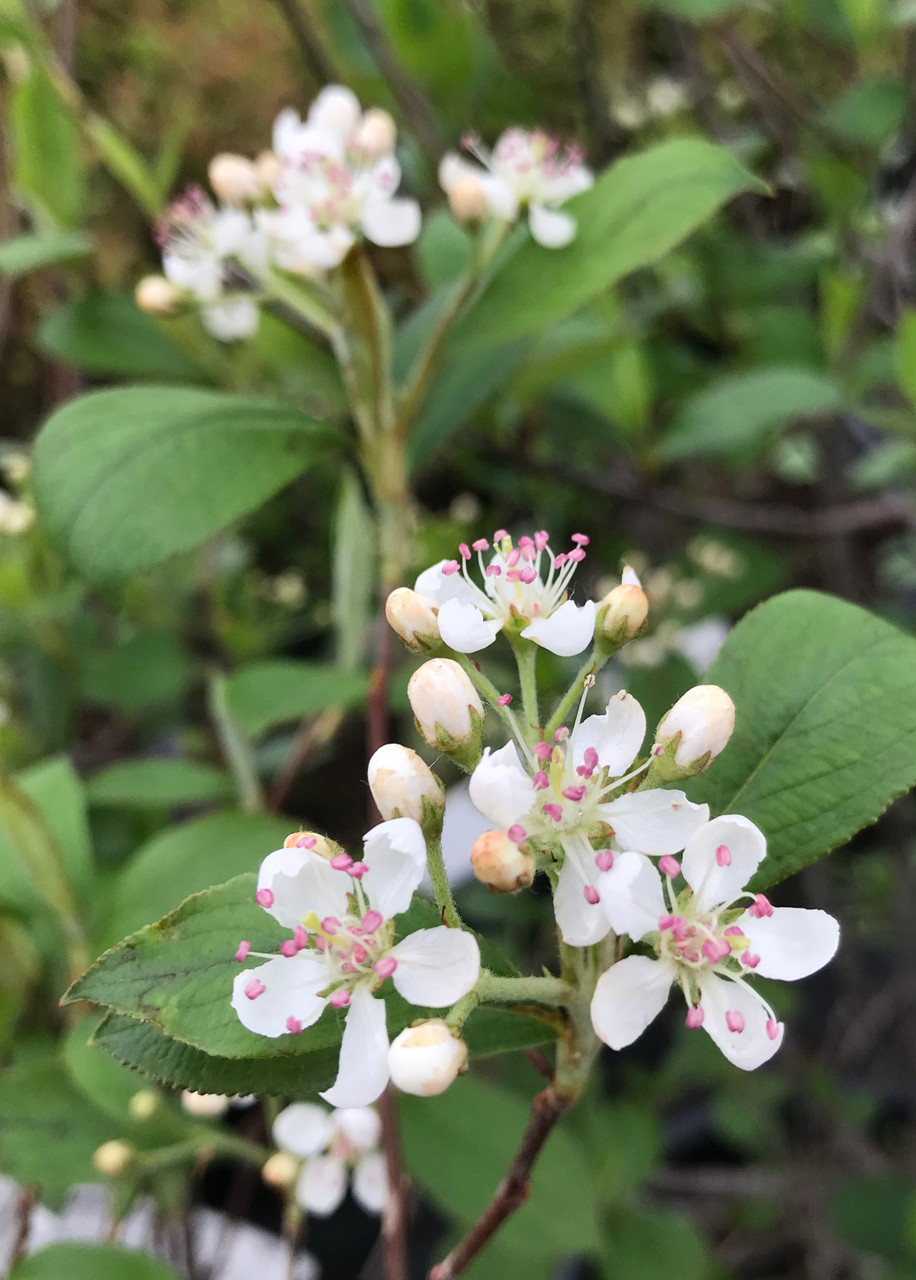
(514, 587)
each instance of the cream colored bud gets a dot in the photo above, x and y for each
(269, 168)
(16, 517)
(445, 703)
(234, 179)
(281, 1170)
(205, 1106)
(426, 1059)
(376, 132)
(157, 296)
(17, 467)
(468, 200)
(500, 864)
(319, 844)
(400, 782)
(113, 1158)
(143, 1105)
(624, 611)
(412, 615)
(705, 719)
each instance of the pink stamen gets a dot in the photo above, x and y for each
(561, 734)
(450, 567)
(716, 950)
(500, 534)
(581, 538)
(385, 967)
(513, 557)
(321, 943)
(372, 920)
(750, 958)
(669, 866)
(658, 751)
(591, 894)
(524, 542)
(554, 811)
(480, 545)
(733, 932)
(242, 953)
(762, 907)
(734, 1020)
(578, 555)
(575, 793)
(504, 699)
(340, 999)
(543, 750)
(306, 842)
(516, 833)
(590, 759)
(695, 1016)
(342, 862)
(293, 1026)
(604, 859)
(330, 925)
(540, 780)
(465, 550)
(527, 576)
(513, 575)
(359, 953)
(288, 948)
(264, 898)
(254, 989)
(493, 571)
(541, 539)
(723, 856)
(300, 937)
(560, 560)
(772, 1029)
(357, 870)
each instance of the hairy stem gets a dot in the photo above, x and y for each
(442, 890)
(492, 988)
(526, 655)
(485, 686)
(590, 667)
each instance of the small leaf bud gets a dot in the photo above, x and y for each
(412, 615)
(403, 785)
(500, 864)
(426, 1059)
(113, 1158)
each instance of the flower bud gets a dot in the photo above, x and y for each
(319, 844)
(376, 132)
(468, 200)
(500, 864)
(143, 1105)
(447, 710)
(113, 1158)
(412, 615)
(234, 179)
(693, 732)
(426, 1059)
(623, 611)
(157, 296)
(281, 1170)
(403, 785)
(204, 1106)
(269, 168)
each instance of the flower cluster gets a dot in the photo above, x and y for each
(320, 1152)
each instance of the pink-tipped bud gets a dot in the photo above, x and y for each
(234, 179)
(704, 718)
(157, 296)
(499, 863)
(426, 1059)
(734, 1020)
(401, 782)
(669, 866)
(695, 1016)
(413, 616)
(446, 706)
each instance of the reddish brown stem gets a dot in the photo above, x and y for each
(546, 1109)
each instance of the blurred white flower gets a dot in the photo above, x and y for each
(335, 1147)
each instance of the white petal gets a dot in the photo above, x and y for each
(292, 984)
(303, 1128)
(201, 275)
(370, 1183)
(581, 923)
(501, 198)
(628, 997)
(231, 321)
(567, 631)
(751, 1047)
(550, 227)
(500, 788)
(363, 1071)
(231, 229)
(632, 895)
(362, 1126)
(322, 1185)
(437, 966)
(336, 108)
(395, 853)
(655, 821)
(617, 735)
(391, 222)
(792, 942)
(444, 586)
(324, 249)
(746, 849)
(286, 127)
(302, 881)
(464, 628)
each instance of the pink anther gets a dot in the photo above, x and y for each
(342, 862)
(578, 555)
(604, 859)
(242, 953)
(723, 856)
(293, 1026)
(500, 534)
(306, 842)
(761, 907)
(554, 811)
(288, 948)
(695, 1016)
(450, 567)
(540, 780)
(543, 750)
(669, 866)
(357, 870)
(772, 1029)
(591, 894)
(493, 571)
(385, 967)
(340, 999)
(465, 550)
(504, 699)
(575, 794)
(372, 920)
(254, 989)
(330, 925)
(516, 833)
(750, 958)
(734, 1020)
(480, 545)
(541, 538)
(300, 937)
(581, 538)
(264, 898)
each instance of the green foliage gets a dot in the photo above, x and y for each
(90, 1262)
(207, 458)
(262, 695)
(165, 784)
(824, 738)
(48, 167)
(27, 253)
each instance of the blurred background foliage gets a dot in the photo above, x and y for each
(734, 420)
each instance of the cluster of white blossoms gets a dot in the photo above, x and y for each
(326, 182)
(321, 1152)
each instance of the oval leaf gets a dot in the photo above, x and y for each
(90, 1262)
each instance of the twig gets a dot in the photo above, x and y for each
(311, 733)
(310, 47)
(394, 1215)
(411, 99)
(546, 1109)
(25, 1204)
(540, 1063)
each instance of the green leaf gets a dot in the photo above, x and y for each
(458, 1146)
(825, 735)
(46, 144)
(32, 853)
(354, 566)
(157, 784)
(905, 353)
(637, 210)
(654, 1245)
(187, 858)
(262, 695)
(869, 112)
(108, 334)
(126, 478)
(28, 253)
(61, 829)
(148, 670)
(443, 249)
(90, 1262)
(740, 415)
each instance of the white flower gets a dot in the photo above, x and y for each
(707, 945)
(515, 592)
(231, 321)
(337, 179)
(527, 168)
(334, 1146)
(342, 950)
(199, 241)
(426, 1059)
(565, 804)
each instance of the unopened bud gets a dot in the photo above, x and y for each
(376, 132)
(426, 1059)
(623, 611)
(412, 615)
(468, 200)
(113, 1158)
(500, 864)
(447, 709)
(404, 786)
(157, 296)
(281, 1170)
(234, 179)
(205, 1106)
(269, 168)
(143, 1105)
(693, 732)
(319, 844)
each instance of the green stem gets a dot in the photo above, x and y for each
(485, 685)
(442, 890)
(302, 302)
(236, 747)
(579, 1046)
(494, 989)
(590, 667)
(526, 655)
